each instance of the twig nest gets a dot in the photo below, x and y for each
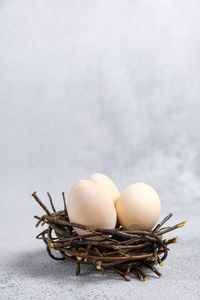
(121, 251)
(107, 185)
(138, 207)
(89, 205)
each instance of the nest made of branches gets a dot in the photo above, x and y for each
(120, 250)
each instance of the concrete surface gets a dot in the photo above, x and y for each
(108, 86)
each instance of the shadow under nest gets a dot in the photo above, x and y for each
(118, 249)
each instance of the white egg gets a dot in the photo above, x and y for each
(138, 207)
(89, 205)
(107, 185)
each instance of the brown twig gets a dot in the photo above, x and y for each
(41, 203)
(65, 206)
(51, 202)
(162, 222)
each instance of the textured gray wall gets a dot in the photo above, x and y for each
(107, 86)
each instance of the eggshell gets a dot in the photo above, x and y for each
(107, 185)
(138, 207)
(89, 205)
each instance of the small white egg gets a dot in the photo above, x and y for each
(107, 185)
(138, 207)
(89, 205)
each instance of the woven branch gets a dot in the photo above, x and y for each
(118, 249)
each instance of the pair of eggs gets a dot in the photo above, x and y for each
(96, 202)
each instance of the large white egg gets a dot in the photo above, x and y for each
(138, 207)
(89, 205)
(107, 185)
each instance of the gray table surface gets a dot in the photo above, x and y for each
(107, 86)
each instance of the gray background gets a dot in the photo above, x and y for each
(107, 86)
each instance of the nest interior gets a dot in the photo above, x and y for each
(119, 250)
